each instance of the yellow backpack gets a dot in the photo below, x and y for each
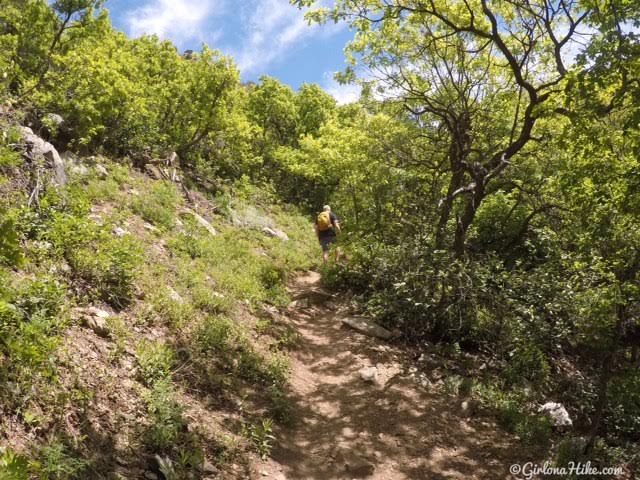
(324, 222)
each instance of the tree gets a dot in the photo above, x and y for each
(450, 62)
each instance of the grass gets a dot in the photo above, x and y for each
(68, 258)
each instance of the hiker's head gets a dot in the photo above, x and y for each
(326, 208)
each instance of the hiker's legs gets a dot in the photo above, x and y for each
(326, 245)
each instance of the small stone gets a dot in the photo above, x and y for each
(54, 119)
(208, 467)
(95, 319)
(175, 296)
(358, 466)
(274, 232)
(119, 232)
(264, 473)
(150, 476)
(101, 171)
(466, 408)
(369, 374)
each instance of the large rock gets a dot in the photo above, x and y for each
(368, 327)
(38, 148)
(557, 414)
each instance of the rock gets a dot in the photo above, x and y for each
(119, 232)
(467, 408)
(369, 374)
(175, 296)
(396, 333)
(150, 475)
(202, 222)
(54, 119)
(151, 228)
(301, 303)
(101, 171)
(315, 295)
(153, 171)
(557, 414)
(96, 218)
(79, 169)
(37, 147)
(275, 233)
(95, 319)
(358, 466)
(368, 327)
(208, 467)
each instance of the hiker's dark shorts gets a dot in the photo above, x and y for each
(326, 242)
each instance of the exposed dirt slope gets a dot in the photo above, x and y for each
(345, 427)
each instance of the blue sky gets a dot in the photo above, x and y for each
(265, 37)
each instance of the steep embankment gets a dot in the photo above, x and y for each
(348, 420)
(136, 340)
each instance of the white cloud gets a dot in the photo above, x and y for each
(272, 28)
(342, 93)
(177, 20)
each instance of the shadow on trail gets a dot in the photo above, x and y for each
(402, 429)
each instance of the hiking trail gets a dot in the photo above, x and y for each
(344, 427)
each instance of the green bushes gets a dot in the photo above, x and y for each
(155, 361)
(158, 205)
(31, 317)
(105, 263)
(166, 416)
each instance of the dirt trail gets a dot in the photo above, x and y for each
(396, 426)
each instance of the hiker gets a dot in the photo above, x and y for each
(327, 227)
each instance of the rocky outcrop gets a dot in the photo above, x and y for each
(39, 149)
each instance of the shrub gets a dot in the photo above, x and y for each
(158, 205)
(54, 462)
(10, 249)
(216, 336)
(209, 301)
(527, 362)
(260, 435)
(166, 416)
(31, 317)
(155, 360)
(13, 466)
(109, 267)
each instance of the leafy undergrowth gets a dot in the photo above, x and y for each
(184, 377)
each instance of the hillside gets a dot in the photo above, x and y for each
(130, 330)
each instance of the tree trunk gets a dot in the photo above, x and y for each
(471, 206)
(605, 375)
(458, 155)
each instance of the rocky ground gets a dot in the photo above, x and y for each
(360, 410)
